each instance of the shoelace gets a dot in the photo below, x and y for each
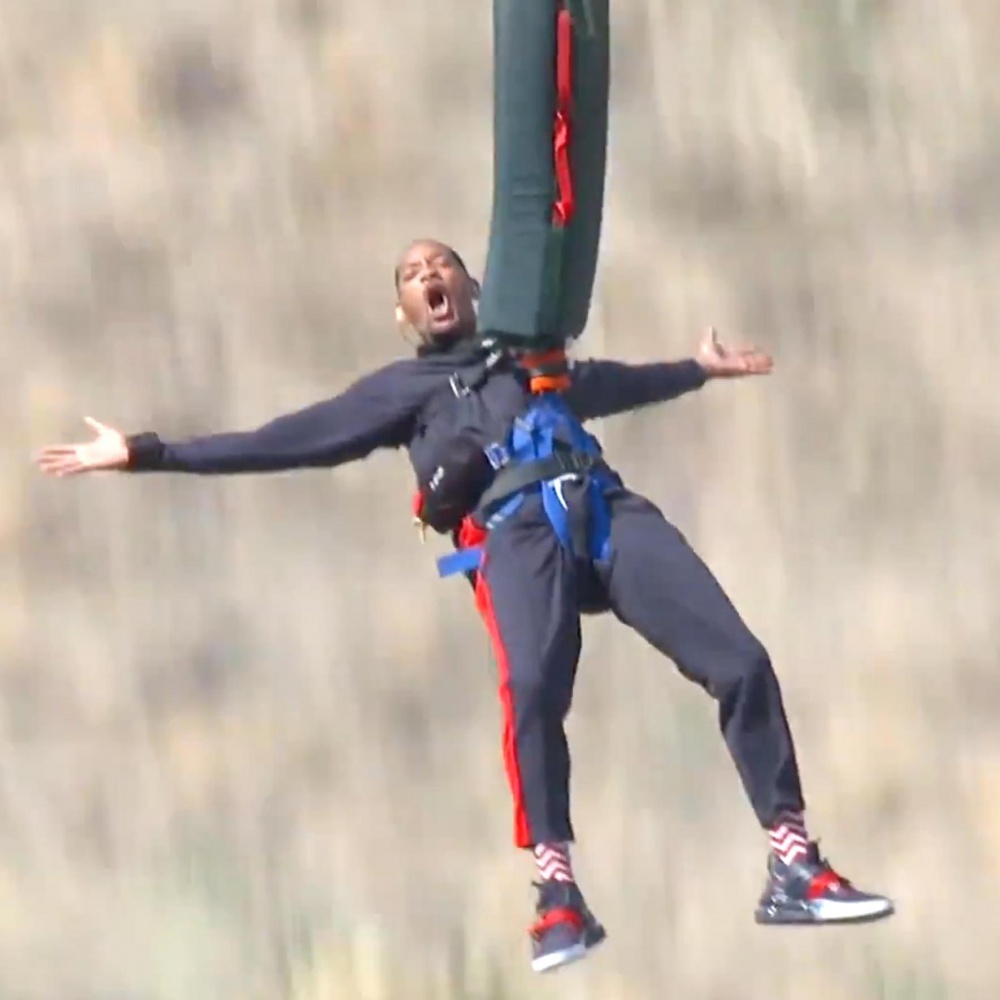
(575, 917)
(827, 878)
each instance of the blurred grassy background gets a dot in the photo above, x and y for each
(250, 746)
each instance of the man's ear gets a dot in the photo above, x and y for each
(477, 290)
(405, 330)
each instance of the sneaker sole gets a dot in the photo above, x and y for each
(560, 959)
(829, 912)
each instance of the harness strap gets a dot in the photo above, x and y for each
(464, 383)
(462, 561)
(515, 478)
(591, 534)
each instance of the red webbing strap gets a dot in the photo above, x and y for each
(562, 210)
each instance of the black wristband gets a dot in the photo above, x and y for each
(145, 451)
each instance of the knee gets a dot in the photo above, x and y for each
(750, 669)
(756, 663)
(547, 697)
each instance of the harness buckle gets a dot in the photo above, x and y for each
(497, 455)
(458, 386)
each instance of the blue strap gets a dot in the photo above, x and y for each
(462, 561)
(532, 437)
(598, 515)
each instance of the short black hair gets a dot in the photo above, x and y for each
(451, 250)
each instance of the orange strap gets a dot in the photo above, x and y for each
(548, 370)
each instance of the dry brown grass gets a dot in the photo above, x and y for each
(250, 745)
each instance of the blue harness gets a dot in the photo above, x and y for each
(546, 448)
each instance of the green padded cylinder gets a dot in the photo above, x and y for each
(538, 280)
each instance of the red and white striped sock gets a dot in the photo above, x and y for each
(553, 862)
(789, 839)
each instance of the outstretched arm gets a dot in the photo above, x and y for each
(604, 388)
(374, 412)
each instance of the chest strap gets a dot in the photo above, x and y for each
(513, 479)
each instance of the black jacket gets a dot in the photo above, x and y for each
(408, 404)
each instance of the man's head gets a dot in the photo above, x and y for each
(435, 294)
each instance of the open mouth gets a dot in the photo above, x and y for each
(439, 304)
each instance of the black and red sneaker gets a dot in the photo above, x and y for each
(809, 891)
(565, 929)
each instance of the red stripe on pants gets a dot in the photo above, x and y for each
(484, 602)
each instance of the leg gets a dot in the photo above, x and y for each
(526, 593)
(659, 587)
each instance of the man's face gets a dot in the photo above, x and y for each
(435, 295)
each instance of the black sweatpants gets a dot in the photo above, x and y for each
(530, 592)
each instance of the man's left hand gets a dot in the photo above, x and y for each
(725, 362)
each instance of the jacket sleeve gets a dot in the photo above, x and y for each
(604, 388)
(377, 411)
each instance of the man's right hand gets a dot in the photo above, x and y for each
(108, 450)
(727, 362)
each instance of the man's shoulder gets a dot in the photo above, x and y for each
(397, 369)
(589, 361)
(411, 379)
(581, 367)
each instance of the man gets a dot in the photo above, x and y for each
(532, 585)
